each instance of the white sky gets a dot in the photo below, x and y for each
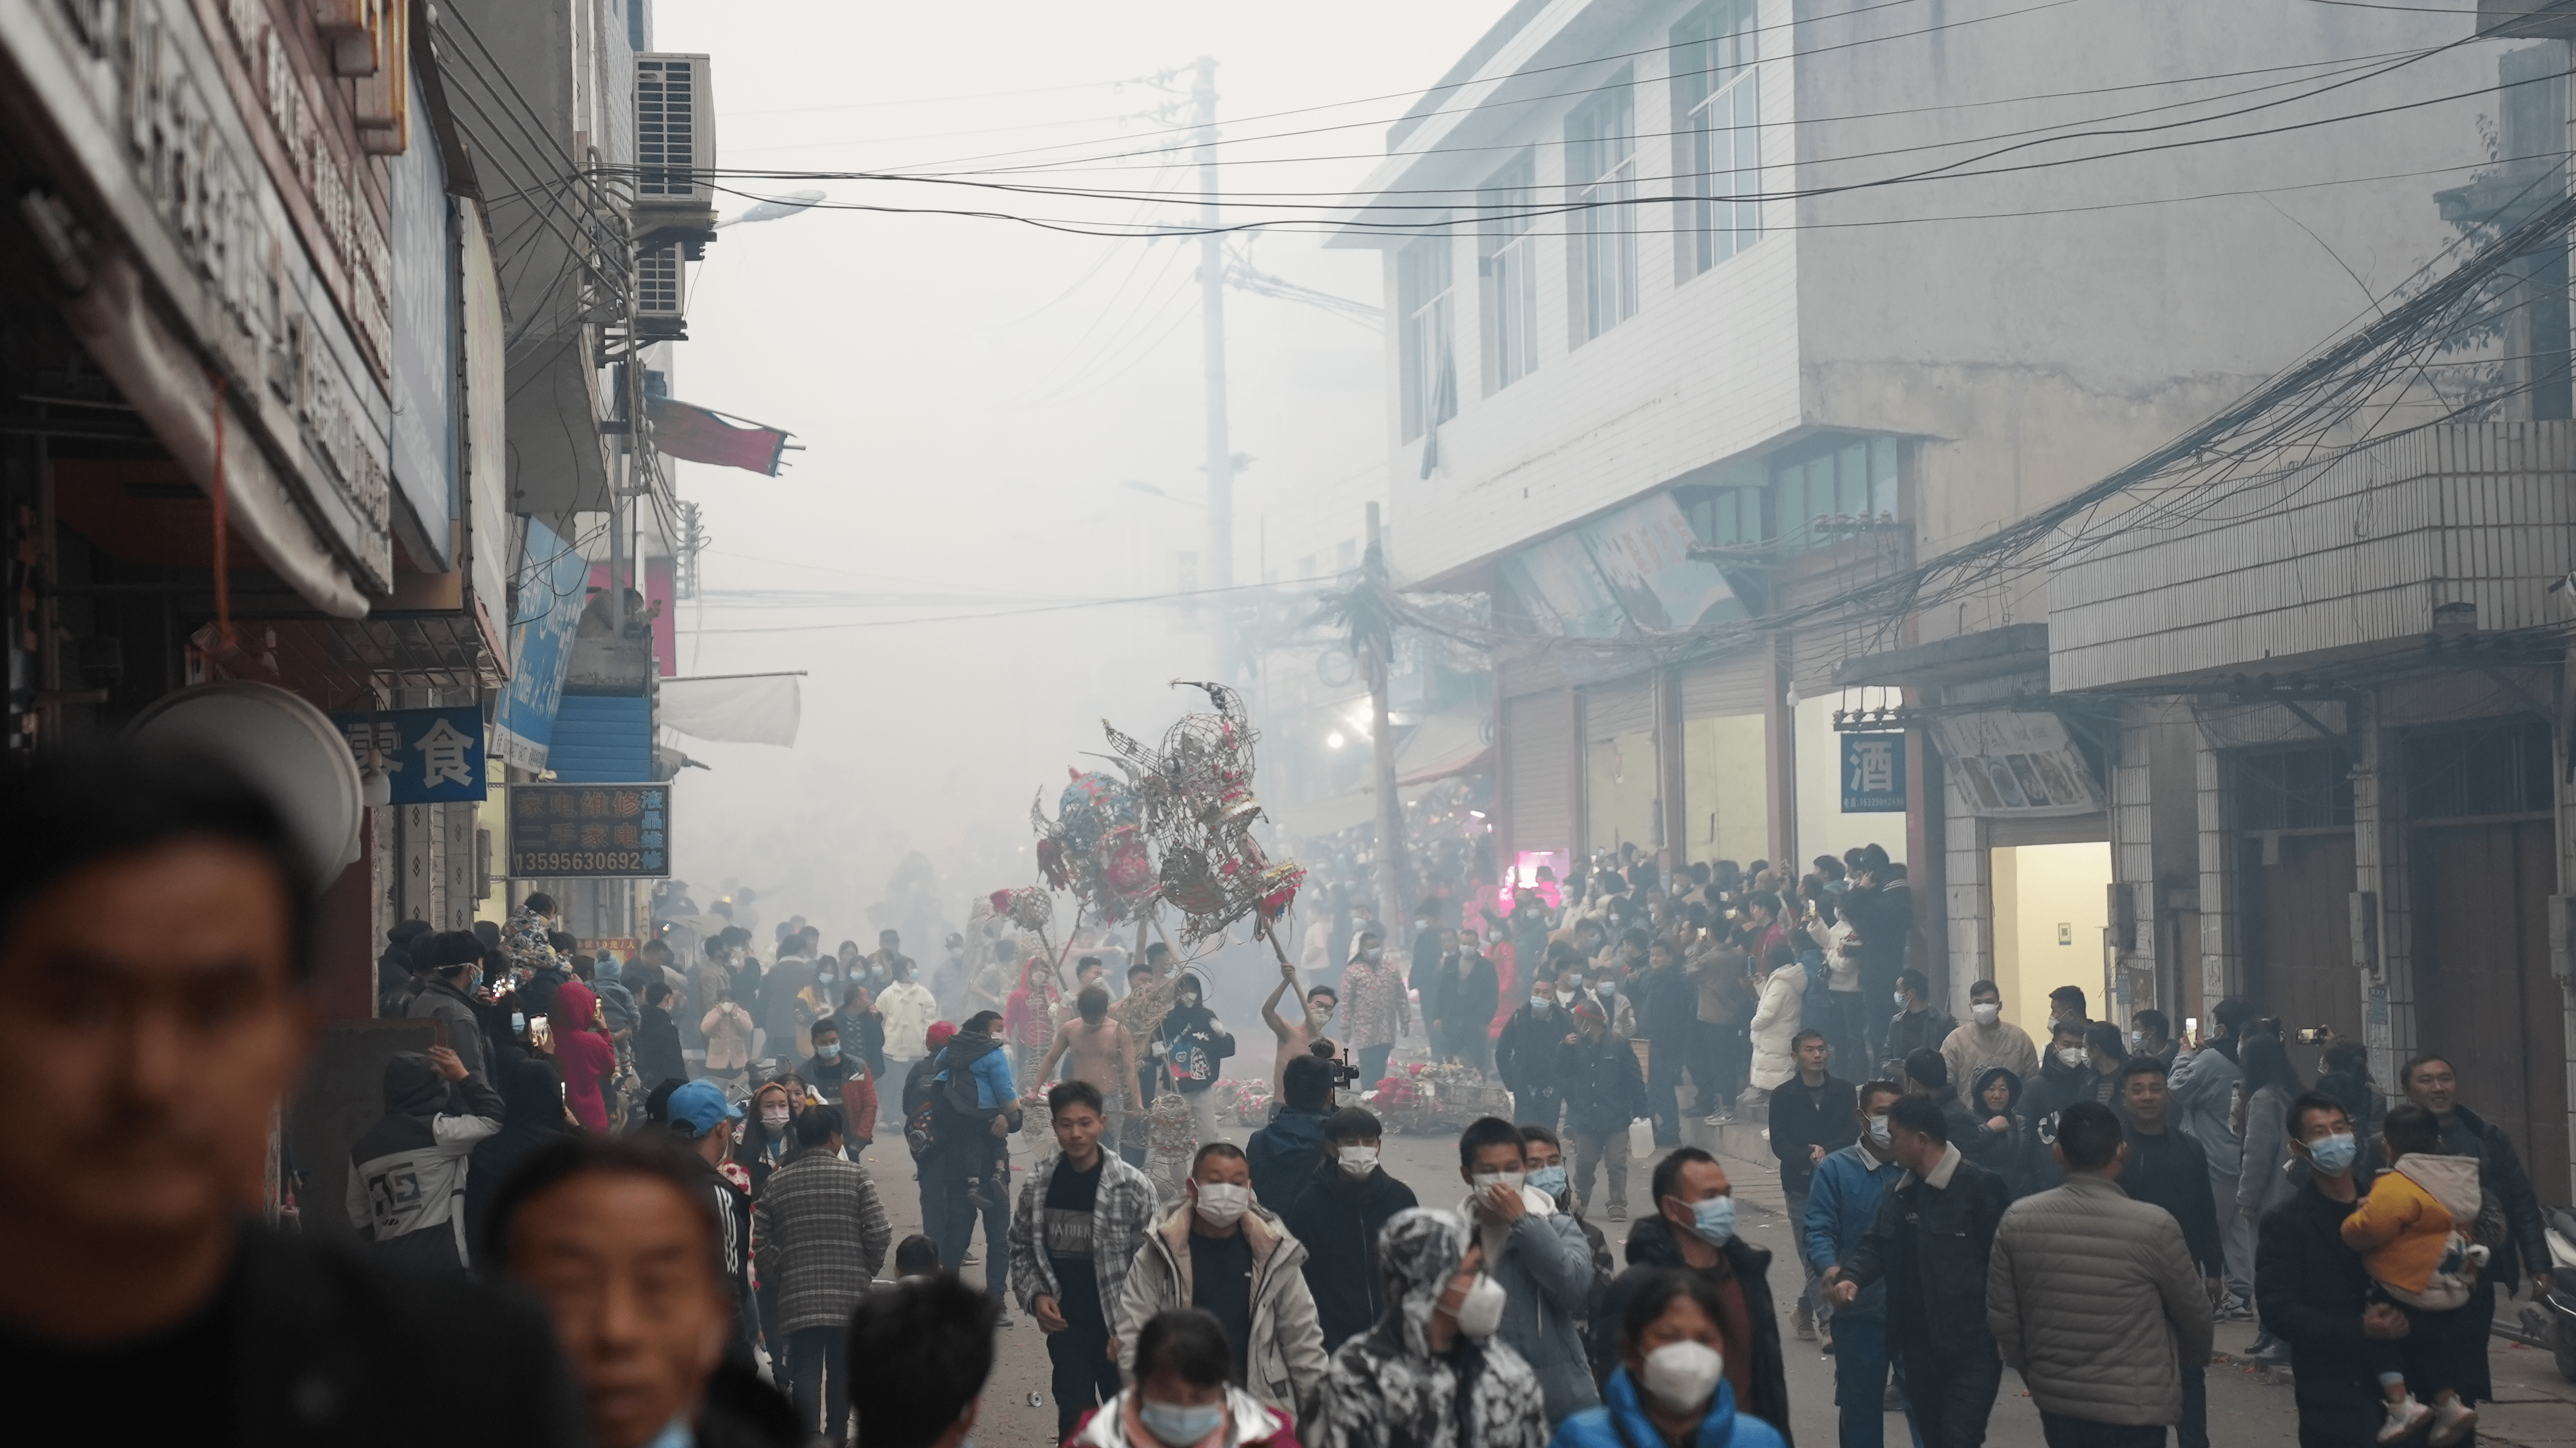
(972, 396)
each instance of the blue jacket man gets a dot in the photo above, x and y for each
(977, 1105)
(1841, 1203)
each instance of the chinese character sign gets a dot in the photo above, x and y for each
(1873, 773)
(430, 756)
(562, 831)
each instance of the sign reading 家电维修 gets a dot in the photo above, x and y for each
(429, 756)
(1873, 773)
(562, 831)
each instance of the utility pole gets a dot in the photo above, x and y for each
(1376, 643)
(1218, 575)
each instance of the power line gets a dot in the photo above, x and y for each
(1020, 612)
(1039, 90)
(1952, 171)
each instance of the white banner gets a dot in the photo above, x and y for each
(733, 708)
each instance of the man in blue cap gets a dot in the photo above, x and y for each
(702, 1118)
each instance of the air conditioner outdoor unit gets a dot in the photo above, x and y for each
(660, 290)
(675, 152)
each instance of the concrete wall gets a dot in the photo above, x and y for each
(2075, 330)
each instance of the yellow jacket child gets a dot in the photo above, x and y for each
(2413, 1230)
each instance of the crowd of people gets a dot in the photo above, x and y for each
(707, 1260)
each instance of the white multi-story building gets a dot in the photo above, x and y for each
(1703, 310)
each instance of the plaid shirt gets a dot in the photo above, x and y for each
(1122, 1212)
(821, 1234)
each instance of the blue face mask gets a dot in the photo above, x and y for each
(1176, 1426)
(1714, 1220)
(2333, 1155)
(1542, 1004)
(1548, 1179)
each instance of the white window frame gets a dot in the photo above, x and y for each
(1507, 273)
(1717, 132)
(1601, 177)
(1425, 341)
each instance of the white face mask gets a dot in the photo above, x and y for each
(1987, 1012)
(2071, 1056)
(1480, 1312)
(1357, 1161)
(1683, 1375)
(1487, 1180)
(1878, 1131)
(773, 1118)
(1221, 1202)
(1900, 1000)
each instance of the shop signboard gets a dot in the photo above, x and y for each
(1873, 773)
(427, 756)
(2005, 763)
(590, 831)
(424, 347)
(543, 619)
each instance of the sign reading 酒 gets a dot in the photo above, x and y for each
(561, 831)
(1873, 773)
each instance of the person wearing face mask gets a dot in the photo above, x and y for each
(1604, 1092)
(845, 1078)
(2065, 1078)
(1182, 1397)
(1842, 1202)
(1694, 1231)
(1430, 1373)
(1376, 1012)
(1191, 1047)
(1918, 1025)
(1530, 1057)
(1986, 1040)
(1671, 1388)
(1549, 1178)
(1930, 1244)
(2316, 1295)
(455, 960)
(767, 1135)
(1537, 1255)
(2151, 1034)
(1222, 1252)
(1338, 1213)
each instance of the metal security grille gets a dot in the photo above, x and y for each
(2500, 767)
(657, 282)
(666, 131)
(2291, 789)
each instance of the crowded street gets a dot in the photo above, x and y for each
(1470, 724)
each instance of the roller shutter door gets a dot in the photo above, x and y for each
(1538, 763)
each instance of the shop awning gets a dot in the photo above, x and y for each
(733, 708)
(1442, 745)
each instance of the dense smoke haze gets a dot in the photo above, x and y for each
(974, 398)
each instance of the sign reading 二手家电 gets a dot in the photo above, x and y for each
(570, 831)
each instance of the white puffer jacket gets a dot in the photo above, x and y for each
(1775, 1025)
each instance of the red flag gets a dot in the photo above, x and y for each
(695, 434)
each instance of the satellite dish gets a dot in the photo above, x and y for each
(281, 746)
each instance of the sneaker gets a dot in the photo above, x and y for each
(2404, 1417)
(1892, 1400)
(2237, 1309)
(2452, 1421)
(1804, 1321)
(1618, 1211)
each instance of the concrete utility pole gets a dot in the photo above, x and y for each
(1218, 574)
(1375, 645)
